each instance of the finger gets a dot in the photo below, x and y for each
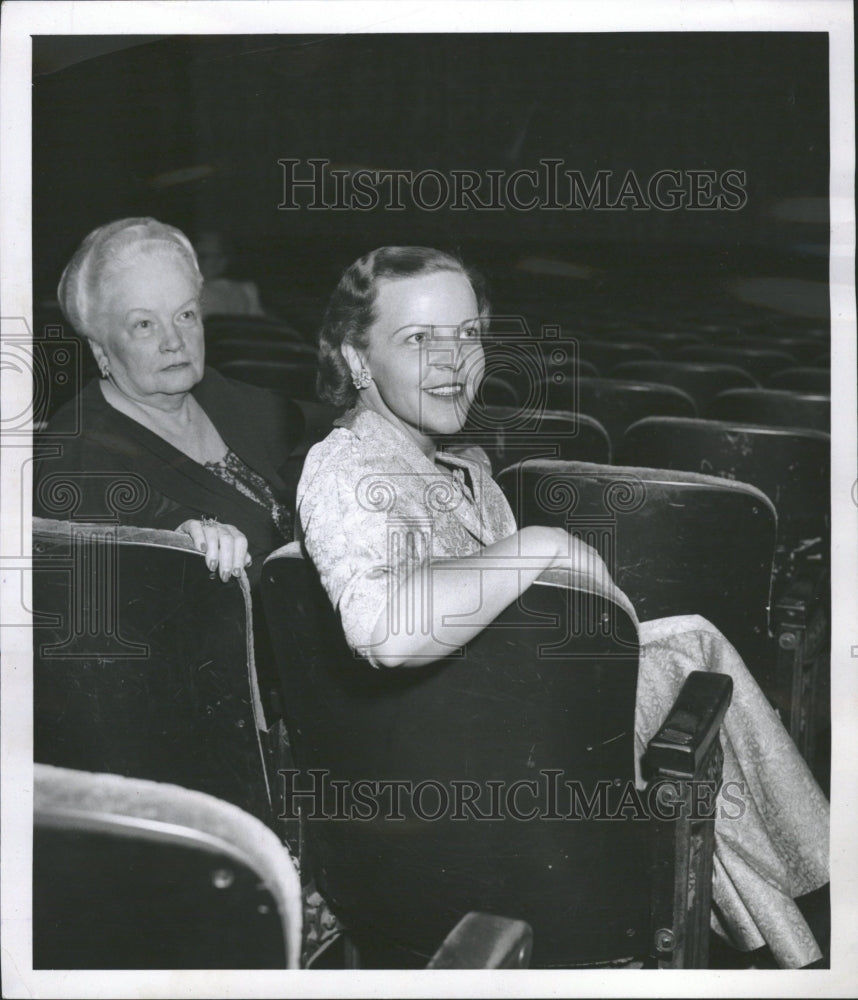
(212, 546)
(239, 553)
(226, 545)
(195, 531)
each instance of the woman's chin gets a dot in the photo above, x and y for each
(179, 379)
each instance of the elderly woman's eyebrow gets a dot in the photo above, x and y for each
(149, 309)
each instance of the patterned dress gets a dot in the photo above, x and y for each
(372, 506)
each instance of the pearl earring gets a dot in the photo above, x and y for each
(362, 379)
(104, 369)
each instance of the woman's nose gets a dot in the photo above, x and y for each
(450, 352)
(173, 339)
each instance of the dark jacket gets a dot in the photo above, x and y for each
(96, 464)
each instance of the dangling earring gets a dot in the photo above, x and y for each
(104, 369)
(362, 379)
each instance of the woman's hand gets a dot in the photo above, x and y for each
(225, 547)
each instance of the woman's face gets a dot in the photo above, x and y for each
(424, 354)
(151, 330)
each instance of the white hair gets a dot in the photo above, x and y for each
(107, 250)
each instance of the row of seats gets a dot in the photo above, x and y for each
(183, 659)
(137, 874)
(276, 355)
(685, 389)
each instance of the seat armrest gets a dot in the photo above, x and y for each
(684, 762)
(805, 591)
(484, 941)
(681, 745)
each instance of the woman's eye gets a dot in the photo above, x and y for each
(188, 315)
(142, 324)
(417, 338)
(471, 332)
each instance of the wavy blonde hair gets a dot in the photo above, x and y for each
(351, 310)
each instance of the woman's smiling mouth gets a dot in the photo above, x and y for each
(447, 391)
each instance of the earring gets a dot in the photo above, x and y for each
(104, 369)
(362, 379)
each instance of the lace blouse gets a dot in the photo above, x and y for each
(232, 470)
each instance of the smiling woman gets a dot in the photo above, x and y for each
(203, 452)
(419, 551)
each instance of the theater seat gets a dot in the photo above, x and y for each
(774, 407)
(496, 390)
(790, 465)
(665, 343)
(135, 874)
(252, 329)
(758, 362)
(528, 369)
(508, 434)
(607, 354)
(295, 379)
(701, 380)
(549, 688)
(816, 380)
(252, 349)
(618, 403)
(143, 664)
(676, 543)
(803, 349)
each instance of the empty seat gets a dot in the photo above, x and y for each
(241, 349)
(550, 685)
(816, 380)
(654, 528)
(790, 465)
(295, 379)
(526, 368)
(508, 434)
(701, 380)
(134, 874)
(776, 407)
(665, 343)
(803, 349)
(606, 355)
(495, 390)
(618, 403)
(758, 362)
(143, 663)
(251, 328)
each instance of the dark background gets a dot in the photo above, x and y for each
(113, 129)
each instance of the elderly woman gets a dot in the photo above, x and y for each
(400, 344)
(193, 451)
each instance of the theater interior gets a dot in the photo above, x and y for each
(664, 325)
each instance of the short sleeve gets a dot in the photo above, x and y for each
(360, 551)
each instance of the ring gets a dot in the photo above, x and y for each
(208, 522)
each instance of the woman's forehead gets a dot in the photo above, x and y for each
(150, 278)
(439, 298)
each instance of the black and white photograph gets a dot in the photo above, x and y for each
(429, 499)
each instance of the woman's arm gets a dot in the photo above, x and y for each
(442, 604)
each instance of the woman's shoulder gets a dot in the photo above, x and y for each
(338, 456)
(78, 414)
(351, 454)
